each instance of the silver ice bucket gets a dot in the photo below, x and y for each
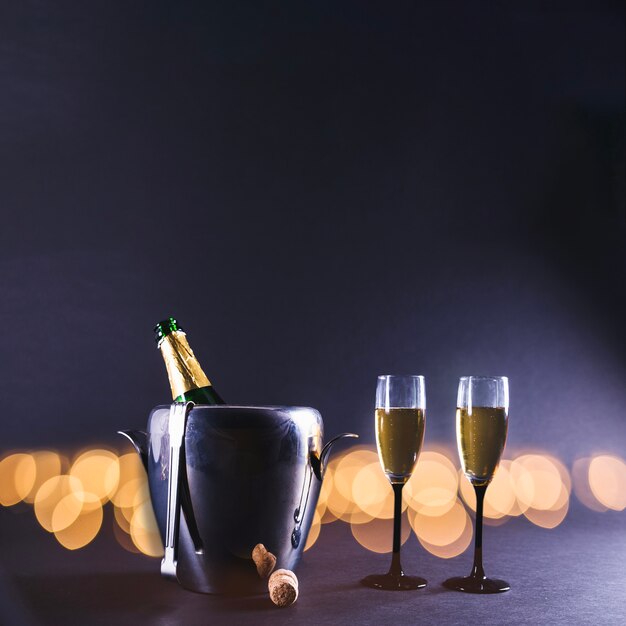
(225, 478)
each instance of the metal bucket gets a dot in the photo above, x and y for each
(247, 475)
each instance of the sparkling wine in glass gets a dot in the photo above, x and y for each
(399, 420)
(481, 427)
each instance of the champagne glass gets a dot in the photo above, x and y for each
(481, 426)
(400, 415)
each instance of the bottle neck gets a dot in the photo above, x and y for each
(183, 370)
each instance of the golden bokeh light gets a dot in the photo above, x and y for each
(98, 471)
(551, 489)
(523, 487)
(372, 492)
(442, 530)
(84, 529)
(48, 464)
(128, 512)
(343, 471)
(325, 489)
(607, 480)
(467, 491)
(17, 477)
(142, 494)
(122, 517)
(453, 519)
(377, 534)
(123, 538)
(130, 469)
(496, 521)
(348, 466)
(564, 472)
(582, 489)
(50, 494)
(500, 500)
(68, 499)
(549, 518)
(126, 495)
(66, 511)
(144, 531)
(432, 488)
(328, 517)
(503, 497)
(314, 532)
(337, 505)
(548, 479)
(536, 485)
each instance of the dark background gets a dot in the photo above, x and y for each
(320, 192)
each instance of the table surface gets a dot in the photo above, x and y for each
(574, 574)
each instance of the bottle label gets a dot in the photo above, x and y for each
(183, 368)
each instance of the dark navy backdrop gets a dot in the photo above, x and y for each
(320, 193)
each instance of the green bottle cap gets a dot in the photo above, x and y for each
(164, 328)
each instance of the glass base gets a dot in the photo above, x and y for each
(393, 582)
(477, 584)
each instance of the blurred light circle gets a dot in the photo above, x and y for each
(71, 506)
(354, 515)
(377, 534)
(372, 492)
(47, 464)
(130, 469)
(456, 547)
(549, 518)
(127, 493)
(552, 517)
(432, 488)
(547, 480)
(442, 530)
(339, 499)
(84, 529)
(582, 489)
(523, 486)
(607, 480)
(144, 531)
(498, 500)
(98, 471)
(142, 493)
(66, 512)
(123, 538)
(467, 491)
(127, 513)
(349, 466)
(17, 476)
(500, 496)
(50, 494)
(496, 521)
(566, 479)
(335, 503)
(314, 532)
(325, 489)
(122, 518)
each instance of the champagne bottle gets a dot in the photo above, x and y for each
(187, 380)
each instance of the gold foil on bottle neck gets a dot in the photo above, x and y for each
(183, 369)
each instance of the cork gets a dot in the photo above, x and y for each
(264, 560)
(283, 587)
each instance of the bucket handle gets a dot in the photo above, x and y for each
(176, 429)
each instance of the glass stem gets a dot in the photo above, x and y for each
(477, 568)
(396, 567)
